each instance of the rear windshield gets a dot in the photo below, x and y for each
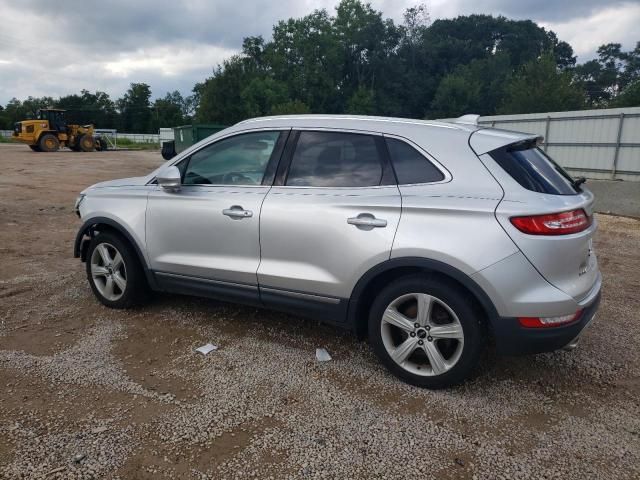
(535, 170)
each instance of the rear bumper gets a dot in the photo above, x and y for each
(513, 339)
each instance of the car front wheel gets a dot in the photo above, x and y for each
(426, 331)
(113, 271)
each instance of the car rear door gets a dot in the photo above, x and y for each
(330, 216)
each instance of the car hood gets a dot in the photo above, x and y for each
(121, 182)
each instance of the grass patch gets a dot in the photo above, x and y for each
(128, 143)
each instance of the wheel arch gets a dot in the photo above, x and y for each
(86, 232)
(377, 277)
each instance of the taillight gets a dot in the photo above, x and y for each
(562, 223)
(545, 322)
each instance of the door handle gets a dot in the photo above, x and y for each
(367, 220)
(236, 211)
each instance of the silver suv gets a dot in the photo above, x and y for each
(430, 238)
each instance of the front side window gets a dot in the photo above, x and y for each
(410, 165)
(335, 159)
(239, 160)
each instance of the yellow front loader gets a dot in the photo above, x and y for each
(50, 131)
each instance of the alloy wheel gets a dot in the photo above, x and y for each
(108, 271)
(422, 334)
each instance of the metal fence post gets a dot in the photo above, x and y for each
(546, 133)
(616, 152)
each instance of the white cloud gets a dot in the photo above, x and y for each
(168, 60)
(617, 24)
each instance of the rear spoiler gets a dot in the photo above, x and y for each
(488, 139)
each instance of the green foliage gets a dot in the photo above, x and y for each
(539, 87)
(135, 108)
(361, 102)
(607, 76)
(292, 107)
(356, 61)
(170, 111)
(476, 87)
(262, 95)
(629, 97)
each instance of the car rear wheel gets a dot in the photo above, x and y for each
(426, 331)
(114, 272)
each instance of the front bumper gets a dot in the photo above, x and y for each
(513, 339)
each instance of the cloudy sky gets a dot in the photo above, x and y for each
(49, 48)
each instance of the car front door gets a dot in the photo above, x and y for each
(204, 238)
(330, 216)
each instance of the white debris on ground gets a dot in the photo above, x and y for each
(205, 349)
(322, 355)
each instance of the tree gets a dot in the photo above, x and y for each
(5, 121)
(220, 95)
(629, 97)
(262, 95)
(607, 76)
(361, 102)
(135, 109)
(168, 111)
(89, 108)
(291, 107)
(540, 87)
(306, 56)
(474, 88)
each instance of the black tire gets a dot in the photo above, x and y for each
(48, 142)
(86, 143)
(136, 290)
(101, 145)
(471, 321)
(35, 148)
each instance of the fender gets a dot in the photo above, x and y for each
(427, 264)
(85, 230)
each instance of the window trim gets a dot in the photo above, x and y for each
(443, 170)
(388, 178)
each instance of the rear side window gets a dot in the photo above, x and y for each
(410, 165)
(535, 170)
(335, 159)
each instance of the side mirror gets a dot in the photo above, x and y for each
(170, 179)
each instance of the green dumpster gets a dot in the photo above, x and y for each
(187, 135)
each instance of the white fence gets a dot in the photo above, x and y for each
(600, 144)
(165, 134)
(134, 137)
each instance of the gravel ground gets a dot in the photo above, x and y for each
(89, 392)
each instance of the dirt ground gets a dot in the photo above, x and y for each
(87, 392)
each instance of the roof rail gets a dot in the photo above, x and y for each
(470, 119)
